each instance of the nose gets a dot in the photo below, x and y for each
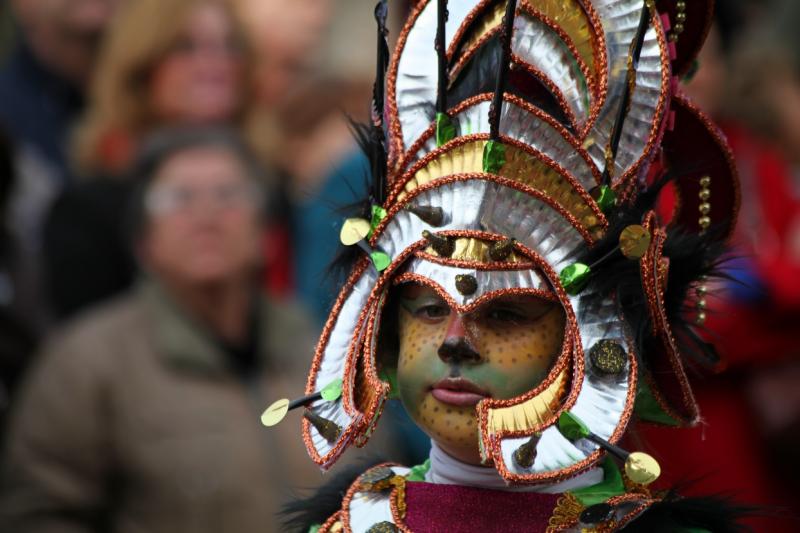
(456, 347)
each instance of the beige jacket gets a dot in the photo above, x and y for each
(132, 422)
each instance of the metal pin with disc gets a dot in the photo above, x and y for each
(640, 467)
(355, 232)
(276, 412)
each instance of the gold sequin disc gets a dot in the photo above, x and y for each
(641, 468)
(275, 413)
(634, 241)
(354, 230)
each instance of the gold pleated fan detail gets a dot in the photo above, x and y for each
(520, 166)
(570, 16)
(567, 14)
(534, 412)
(492, 19)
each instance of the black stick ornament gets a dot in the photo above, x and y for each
(502, 74)
(627, 95)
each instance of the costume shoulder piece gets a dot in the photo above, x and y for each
(389, 498)
(520, 147)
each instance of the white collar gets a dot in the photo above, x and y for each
(448, 470)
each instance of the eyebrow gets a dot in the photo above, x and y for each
(432, 297)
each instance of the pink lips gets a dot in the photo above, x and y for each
(458, 391)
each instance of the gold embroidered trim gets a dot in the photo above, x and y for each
(566, 514)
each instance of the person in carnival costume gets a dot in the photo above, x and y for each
(510, 279)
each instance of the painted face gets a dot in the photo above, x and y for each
(449, 361)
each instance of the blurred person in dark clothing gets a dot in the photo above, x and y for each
(42, 85)
(749, 78)
(143, 415)
(42, 90)
(165, 63)
(761, 325)
(16, 338)
(6, 31)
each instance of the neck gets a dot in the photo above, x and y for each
(447, 470)
(224, 307)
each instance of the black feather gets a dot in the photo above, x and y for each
(479, 76)
(619, 123)
(715, 514)
(692, 256)
(370, 141)
(382, 62)
(299, 515)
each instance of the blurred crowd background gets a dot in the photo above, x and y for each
(170, 173)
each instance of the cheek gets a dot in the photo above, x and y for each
(242, 230)
(456, 427)
(419, 342)
(162, 234)
(167, 88)
(418, 362)
(520, 357)
(161, 244)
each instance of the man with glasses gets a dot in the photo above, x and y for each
(144, 414)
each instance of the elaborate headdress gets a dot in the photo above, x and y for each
(520, 147)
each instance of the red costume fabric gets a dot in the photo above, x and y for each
(433, 508)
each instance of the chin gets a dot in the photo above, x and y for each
(211, 110)
(209, 272)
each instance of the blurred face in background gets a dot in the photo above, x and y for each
(203, 221)
(66, 34)
(287, 35)
(199, 80)
(707, 86)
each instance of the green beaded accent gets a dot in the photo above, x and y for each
(572, 427)
(378, 214)
(332, 391)
(381, 260)
(605, 197)
(445, 130)
(418, 472)
(574, 278)
(612, 485)
(649, 409)
(494, 157)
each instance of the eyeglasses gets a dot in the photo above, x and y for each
(189, 47)
(170, 199)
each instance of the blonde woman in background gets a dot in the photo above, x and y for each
(181, 62)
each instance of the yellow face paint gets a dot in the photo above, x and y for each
(448, 362)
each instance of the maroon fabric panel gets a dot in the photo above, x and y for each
(435, 508)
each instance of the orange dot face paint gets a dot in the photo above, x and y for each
(448, 361)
